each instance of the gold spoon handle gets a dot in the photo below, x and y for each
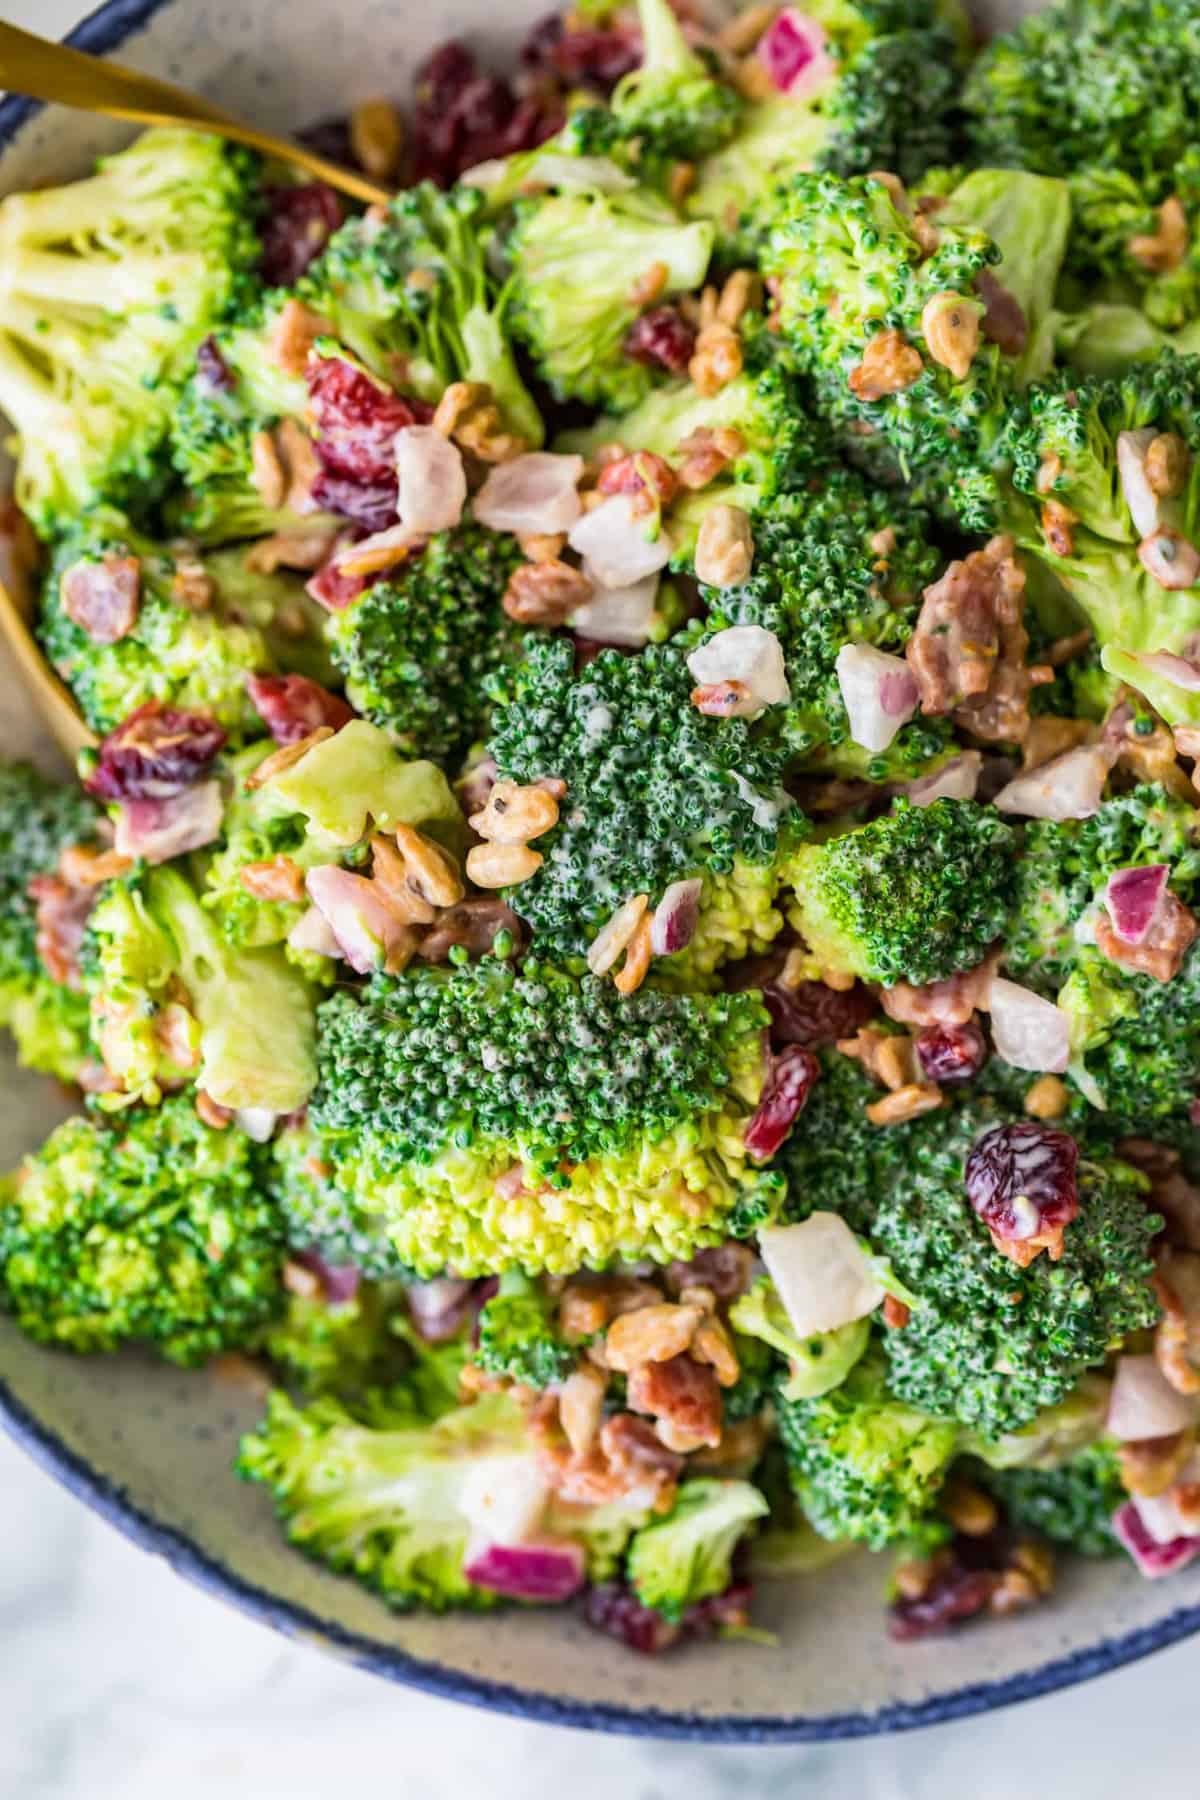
(34, 66)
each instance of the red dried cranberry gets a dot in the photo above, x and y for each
(815, 1015)
(949, 1053)
(355, 420)
(292, 706)
(330, 138)
(212, 371)
(535, 118)
(443, 73)
(662, 339)
(371, 505)
(330, 588)
(299, 223)
(788, 1086)
(953, 1595)
(615, 1609)
(596, 57)
(1020, 1179)
(157, 751)
(541, 41)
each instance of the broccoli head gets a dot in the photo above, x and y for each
(341, 1346)
(151, 1227)
(864, 1463)
(913, 896)
(675, 103)
(817, 1363)
(687, 1556)
(518, 1336)
(1135, 1041)
(417, 649)
(483, 1118)
(989, 1344)
(38, 820)
(1071, 1504)
(110, 284)
(657, 791)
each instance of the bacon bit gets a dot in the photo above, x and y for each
(1177, 1335)
(61, 916)
(279, 879)
(895, 1313)
(651, 480)
(1161, 952)
(951, 1001)
(83, 866)
(545, 593)
(1004, 323)
(1171, 1193)
(705, 454)
(681, 1394)
(889, 365)
(293, 335)
(103, 598)
(968, 649)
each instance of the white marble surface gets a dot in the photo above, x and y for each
(120, 1682)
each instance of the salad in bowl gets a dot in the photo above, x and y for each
(626, 931)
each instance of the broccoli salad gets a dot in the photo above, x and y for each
(628, 928)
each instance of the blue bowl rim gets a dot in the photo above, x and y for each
(102, 31)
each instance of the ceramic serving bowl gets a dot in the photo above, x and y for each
(150, 1446)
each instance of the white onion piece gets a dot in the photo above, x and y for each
(823, 1277)
(258, 1122)
(675, 918)
(1180, 671)
(1028, 1032)
(1143, 1404)
(363, 924)
(1067, 787)
(746, 653)
(503, 1498)
(312, 933)
(956, 780)
(615, 541)
(432, 481)
(1132, 897)
(623, 616)
(157, 829)
(1144, 506)
(879, 691)
(550, 1570)
(537, 492)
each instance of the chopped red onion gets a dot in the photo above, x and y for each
(879, 692)
(357, 913)
(1028, 1032)
(158, 829)
(1153, 1559)
(617, 543)
(675, 918)
(537, 492)
(432, 480)
(1132, 897)
(795, 53)
(549, 1571)
(438, 1307)
(1143, 1404)
(956, 780)
(1067, 787)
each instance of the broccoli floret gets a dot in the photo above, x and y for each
(1062, 444)
(357, 776)
(317, 1213)
(256, 828)
(865, 1464)
(1114, 218)
(197, 627)
(675, 104)
(913, 896)
(327, 1346)
(675, 1561)
(1135, 1040)
(989, 1344)
(657, 791)
(518, 1337)
(152, 1227)
(413, 291)
(110, 284)
(38, 820)
(617, 1124)
(887, 101)
(416, 650)
(172, 999)
(575, 259)
(1064, 866)
(815, 1364)
(1072, 1505)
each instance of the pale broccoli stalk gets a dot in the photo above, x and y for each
(109, 285)
(576, 258)
(687, 1557)
(816, 1363)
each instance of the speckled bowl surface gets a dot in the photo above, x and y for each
(150, 1447)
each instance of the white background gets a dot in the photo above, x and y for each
(120, 1682)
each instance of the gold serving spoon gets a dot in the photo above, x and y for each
(42, 70)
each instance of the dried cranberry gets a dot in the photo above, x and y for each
(299, 222)
(330, 588)
(1020, 1179)
(615, 1609)
(330, 138)
(157, 751)
(212, 371)
(443, 74)
(788, 1086)
(541, 41)
(662, 339)
(371, 505)
(596, 57)
(355, 419)
(949, 1053)
(953, 1595)
(815, 1015)
(292, 706)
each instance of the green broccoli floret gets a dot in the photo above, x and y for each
(575, 259)
(989, 1344)
(340, 1347)
(256, 828)
(1135, 1040)
(414, 291)
(928, 402)
(1114, 218)
(109, 285)
(151, 1227)
(913, 896)
(657, 791)
(171, 999)
(317, 1213)
(887, 101)
(1083, 445)
(38, 820)
(815, 1364)
(687, 1556)
(417, 649)
(483, 1118)
(675, 104)
(864, 1463)
(1072, 1504)
(1064, 866)
(518, 1337)
(196, 627)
